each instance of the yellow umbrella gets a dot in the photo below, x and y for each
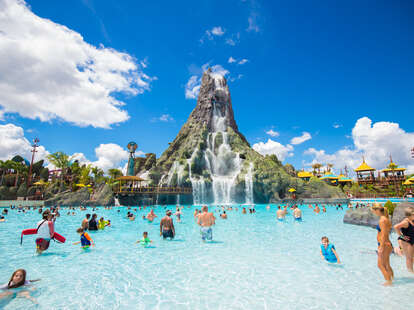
(291, 190)
(80, 185)
(41, 182)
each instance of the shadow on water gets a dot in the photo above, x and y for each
(52, 254)
(214, 242)
(176, 240)
(403, 281)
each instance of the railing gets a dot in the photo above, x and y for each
(153, 190)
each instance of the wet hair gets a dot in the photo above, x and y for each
(145, 233)
(378, 207)
(45, 215)
(325, 238)
(278, 207)
(79, 230)
(204, 208)
(94, 215)
(21, 283)
(409, 211)
(88, 216)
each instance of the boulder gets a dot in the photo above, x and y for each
(361, 216)
(103, 196)
(399, 211)
(69, 198)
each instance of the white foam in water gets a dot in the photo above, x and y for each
(255, 263)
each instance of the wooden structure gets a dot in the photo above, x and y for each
(330, 178)
(343, 180)
(131, 185)
(392, 174)
(365, 174)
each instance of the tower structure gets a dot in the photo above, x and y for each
(132, 147)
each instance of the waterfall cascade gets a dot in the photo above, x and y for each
(248, 179)
(117, 204)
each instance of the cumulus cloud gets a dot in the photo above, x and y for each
(231, 60)
(304, 137)
(272, 133)
(273, 147)
(49, 72)
(243, 61)
(13, 142)
(376, 142)
(217, 31)
(192, 87)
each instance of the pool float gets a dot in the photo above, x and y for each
(33, 231)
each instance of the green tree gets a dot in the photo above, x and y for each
(85, 172)
(97, 174)
(114, 173)
(61, 161)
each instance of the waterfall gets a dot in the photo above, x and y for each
(198, 185)
(224, 165)
(248, 179)
(117, 204)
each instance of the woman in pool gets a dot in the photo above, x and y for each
(384, 244)
(405, 230)
(17, 280)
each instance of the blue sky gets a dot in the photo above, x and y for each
(310, 66)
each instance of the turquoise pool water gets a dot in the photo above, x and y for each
(255, 262)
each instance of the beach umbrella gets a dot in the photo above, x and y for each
(291, 190)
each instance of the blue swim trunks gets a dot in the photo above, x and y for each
(206, 233)
(298, 219)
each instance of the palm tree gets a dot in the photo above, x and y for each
(330, 166)
(393, 166)
(97, 173)
(114, 173)
(316, 167)
(61, 161)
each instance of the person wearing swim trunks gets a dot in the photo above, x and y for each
(206, 220)
(167, 229)
(178, 214)
(297, 214)
(93, 223)
(384, 244)
(85, 222)
(405, 230)
(45, 232)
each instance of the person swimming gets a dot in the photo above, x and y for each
(280, 214)
(17, 280)
(145, 241)
(297, 214)
(85, 240)
(328, 251)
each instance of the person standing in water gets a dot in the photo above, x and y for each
(167, 229)
(85, 222)
(405, 230)
(178, 214)
(45, 232)
(384, 244)
(206, 220)
(280, 214)
(151, 216)
(297, 214)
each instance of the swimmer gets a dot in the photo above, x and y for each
(85, 240)
(17, 280)
(244, 210)
(384, 244)
(223, 215)
(130, 216)
(85, 222)
(2, 219)
(297, 214)
(328, 251)
(206, 220)
(196, 213)
(178, 214)
(145, 241)
(93, 223)
(324, 209)
(405, 230)
(167, 229)
(317, 209)
(280, 214)
(268, 207)
(151, 216)
(102, 224)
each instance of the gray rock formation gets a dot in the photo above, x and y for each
(102, 196)
(361, 216)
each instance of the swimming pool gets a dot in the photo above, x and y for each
(254, 263)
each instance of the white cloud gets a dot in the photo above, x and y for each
(163, 118)
(273, 147)
(233, 39)
(336, 125)
(376, 142)
(49, 72)
(217, 31)
(192, 88)
(252, 20)
(231, 60)
(13, 142)
(304, 137)
(243, 61)
(272, 133)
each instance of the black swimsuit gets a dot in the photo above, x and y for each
(409, 232)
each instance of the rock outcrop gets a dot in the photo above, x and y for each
(361, 216)
(399, 212)
(102, 196)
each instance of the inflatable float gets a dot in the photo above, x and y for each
(33, 231)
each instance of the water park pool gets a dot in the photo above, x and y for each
(255, 262)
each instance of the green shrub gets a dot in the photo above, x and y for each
(390, 207)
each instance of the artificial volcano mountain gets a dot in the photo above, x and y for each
(214, 158)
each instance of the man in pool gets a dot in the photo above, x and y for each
(167, 229)
(85, 222)
(297, 214)
(206, 220)
(280, 214)
(151, 216)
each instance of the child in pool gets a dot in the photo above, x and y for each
(85, 240)
(145, 241)
(328, 251)
(17, 280)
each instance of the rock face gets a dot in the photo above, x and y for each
(399, 212)
(102, 196)
(362, 216)
(211, 155)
